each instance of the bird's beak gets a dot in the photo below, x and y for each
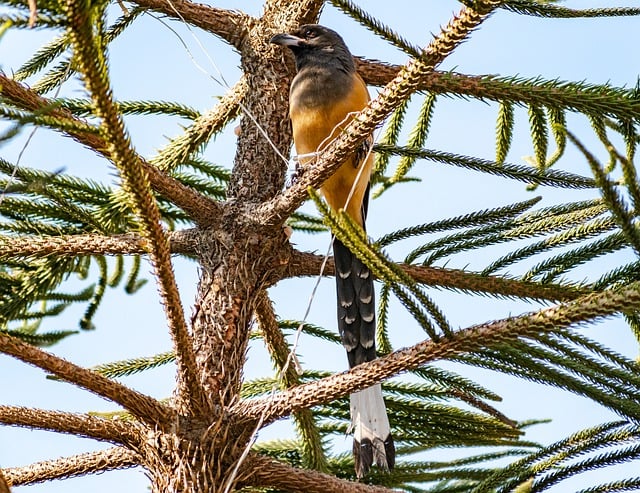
(286, 40)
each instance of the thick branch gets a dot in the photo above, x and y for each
(144, 407)
(308, 264)
(586, 308)
(201, 209)
(182, 242)
(267, 472)
(81, 425)
(230, 25)
(398, 90)
(4, 486)
(74, 466)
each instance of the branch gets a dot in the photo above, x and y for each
(600, 100)
(265, 472)
(144, 407)
(182, 242)
(398, 90)
(82, 425)
(229, 25)
(74, 466)
(4, 487)
(294, 14)
(202, 129)
(308, 264)
(201, 209)
(91, 63)
(585, 309)
(285, 362)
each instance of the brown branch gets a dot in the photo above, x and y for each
(74, 466)
(182, 242)
(230, 25)
(308, 264)
(82, 425)
(144, 407)
(4, 487)
(199, 208)
(586, 308)
(398, 90)
(265, 472)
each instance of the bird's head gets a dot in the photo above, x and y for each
(314, 42)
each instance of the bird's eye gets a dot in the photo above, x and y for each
(310, 33)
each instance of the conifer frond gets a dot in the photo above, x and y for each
(410, 294)
(631, 484)
(213, 171)
(504, 131)
(134, 365)
(604, 100)
(21, 21)
(539, 9)
(558, 124)
(374, 25)
(417, 138)
(383, 343)
(82, 107)
(548, 270)
(624, 217)
(388, 140)
(619, 275)
(307, 223)
(310, 329)
(580, 232)
(201, 184)
(526, 225)
(525, 174)
(45, 55)
(551, 361)
(41, 118)
(40, 339)
(608, 444)
(487, 216)
(539, 137)
(53, 50)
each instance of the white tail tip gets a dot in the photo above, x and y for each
(372, 440)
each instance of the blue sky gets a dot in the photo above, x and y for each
(150, 62)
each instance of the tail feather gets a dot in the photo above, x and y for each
(372, 440)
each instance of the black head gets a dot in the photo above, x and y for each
(313, 43)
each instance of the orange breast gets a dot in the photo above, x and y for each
(314, 128)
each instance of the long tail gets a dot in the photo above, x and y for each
(357, 327)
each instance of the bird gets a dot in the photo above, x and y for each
(325, 94)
